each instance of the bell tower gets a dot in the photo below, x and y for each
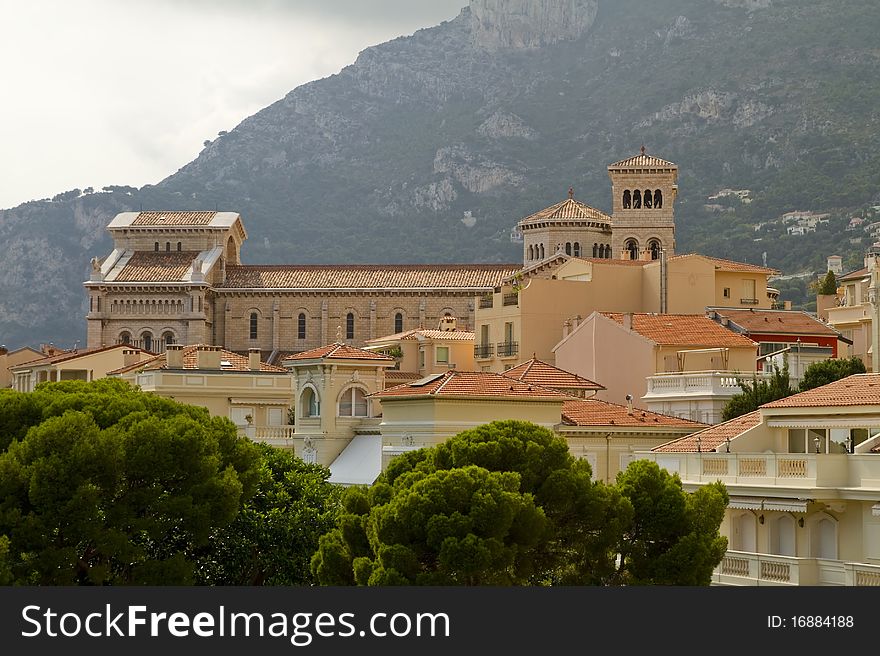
(643, 191)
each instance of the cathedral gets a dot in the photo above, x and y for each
(177, 277)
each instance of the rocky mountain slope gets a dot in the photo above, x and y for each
(430, 147)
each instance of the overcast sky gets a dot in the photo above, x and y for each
(124, 92)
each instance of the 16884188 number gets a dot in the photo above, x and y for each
(821, 621)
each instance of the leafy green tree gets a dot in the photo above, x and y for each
(6, 577)
(828, 284)
(115, 486)
(758, 392)
(273, 537)
(827, 371)
(426, 519)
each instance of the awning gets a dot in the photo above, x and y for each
(360, 463)
(834, 422)
(763, 503)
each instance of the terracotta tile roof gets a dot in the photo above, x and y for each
(150, 266)
(401, 376)
(471, 384)
(568, 210)
(858, 389)
(643, 161)
(237, 362)
(538, 372)
(854, 275)
(416, 333)
(338, 352)
(71, 355)
(695, 330)
(593, 412)
(173, 218)
(368, 276)
(730, 265)
(713, 437)
(794, 322)
(618, 261)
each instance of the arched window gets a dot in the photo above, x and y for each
(654, 245)
(179, 245)
(531, 253)
(147, 341)
(301, 326)
(658, 199)
(577, 249)
(568, 248)
(608, 251)
(309, 403)
(782, 536)
(167, 246)
(745, 533)
(349, 326)
(168, 338)
(398, 321)
(627, 200)
(595, 250)
(253, 325)
(125, 337)
(637, 199)
(353, 403)
(632, 246)
(156, 246)
(542, 251)
(647, 199)
(823, 539)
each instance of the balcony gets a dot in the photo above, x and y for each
(483, 351)
(848, 314)
(487, 302)
(508, 349)
(747, 568)
(510, 299)
(695, 395)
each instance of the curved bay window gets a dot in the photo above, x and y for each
(353, 403)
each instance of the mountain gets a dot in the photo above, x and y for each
(495, 114)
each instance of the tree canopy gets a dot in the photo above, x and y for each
(827, 371)
(507, 504)
(827, 285)
(757, 392)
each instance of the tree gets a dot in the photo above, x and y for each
(506, 503)
(758, 392)
(827, 371)
(110, 485)
(273, 537)
(828, 284)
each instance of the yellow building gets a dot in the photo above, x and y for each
(852, 314)
(421, 351)
(802, 474)
(9, 359)
(86, 364)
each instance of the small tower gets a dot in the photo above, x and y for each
(643, 191)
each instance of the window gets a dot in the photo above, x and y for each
(167, 246)
(749, 291)
(568, 248)
(654, 245)
(156, 246)
(147, 341)
(531, 252)
(637, 199)
(658, 199)
(442, 354)
(253, 326)
(421, 358)
(398, 321)
(353, 403)
(508, 332)
(168, 338)
(125, 338)
(349, 326)
(632, 246)
(301, 326)
(310, 405)
(577, 249)
(726, 292)
(627, 200)
(647, 198)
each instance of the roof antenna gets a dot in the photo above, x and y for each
(571, 192)
(643, 149)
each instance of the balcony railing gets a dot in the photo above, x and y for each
(510, 299)
(507, 349)
(483, 351)
(487, 302)
(748, 301)
(748, 568)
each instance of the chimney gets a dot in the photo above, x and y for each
(207, 357)
(628, 321)
(174, 356)
(130, 357)
(447, 323)
(786, 305)
(254, 359)
(566, 328)
(629, 404)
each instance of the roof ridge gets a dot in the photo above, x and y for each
(450, 375)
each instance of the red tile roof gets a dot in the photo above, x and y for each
(569, 210)
(150, 266)
(858, 389)
(538, 372)
(712, 438)
(368, 276)
(695, 330)
(173, 218)
(471, 384)
(643, 161)
(416, 333)
(854, 275)
(593, 412)
(794, 322)
(338, 352)
(71, 355)
(237, 362)
(730, 265)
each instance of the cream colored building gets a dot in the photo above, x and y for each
(9, 359)
(531, 312)
(177, 278)
(423, 351)
(802, 474)
(86, 364)
(252, 394)
(853, 312)
(647, 356)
